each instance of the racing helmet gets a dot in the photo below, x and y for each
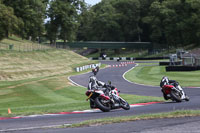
(164, 81)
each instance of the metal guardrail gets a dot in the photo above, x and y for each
(85, 67)
(127, 58)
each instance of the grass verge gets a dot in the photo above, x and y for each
(151, 75)
(50, 95)
(35, 82)
(175, 114)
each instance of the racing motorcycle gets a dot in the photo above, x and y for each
(174, 93)
(104, 96)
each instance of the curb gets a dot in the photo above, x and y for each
(75, 112)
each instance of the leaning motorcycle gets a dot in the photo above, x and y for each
(174, 93)
(103, 96)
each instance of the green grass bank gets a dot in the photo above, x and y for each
(151, 74)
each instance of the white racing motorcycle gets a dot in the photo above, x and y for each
(103, 96)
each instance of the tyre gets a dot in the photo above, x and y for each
(105, 107)
(92, 105)
(165, 97)
(175, 96)
(187, 98)
(124, 104)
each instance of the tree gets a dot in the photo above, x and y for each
(174, 22)
(144, 12)
(129, 18)
(32, 13)
(63, 16)
(155, 19)
(191, 21)
(86, 18)
(104, 25)
(9, 23)
(112, 20)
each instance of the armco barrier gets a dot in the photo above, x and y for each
(168, 63)
(82, 68)
(182, 68)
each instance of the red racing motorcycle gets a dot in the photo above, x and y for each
(174, 93)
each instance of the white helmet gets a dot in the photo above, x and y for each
(164, 81)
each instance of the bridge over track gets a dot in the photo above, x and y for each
(108, 45)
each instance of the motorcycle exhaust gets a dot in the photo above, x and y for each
(89, 96)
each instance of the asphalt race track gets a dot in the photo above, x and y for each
(114, 74)
(178, 125)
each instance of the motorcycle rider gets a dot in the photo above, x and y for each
(96, 84)
(165, 81)
(106, 90)
(95, 70)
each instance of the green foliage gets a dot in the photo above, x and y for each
(112, 21)
(129, 19)
(63, 22)
(168, 23)
(171, 23)
(32, 13)
(174, 22)
(104, 25)
(85, 19)
(8, 21)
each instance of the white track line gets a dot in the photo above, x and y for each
(134, 82)
(144, 84)
(75, 82)
(31, 128)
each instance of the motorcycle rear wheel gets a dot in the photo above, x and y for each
(175, 96)
(101, 106)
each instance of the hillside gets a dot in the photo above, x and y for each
(18, 65)
(36, 81)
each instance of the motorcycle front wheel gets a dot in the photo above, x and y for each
(175, 96)
(187, 98)
(124, 104)
(105, 107)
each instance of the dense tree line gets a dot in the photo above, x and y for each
(171, 22)
(28, 16)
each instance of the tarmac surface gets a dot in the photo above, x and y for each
(175, 125)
